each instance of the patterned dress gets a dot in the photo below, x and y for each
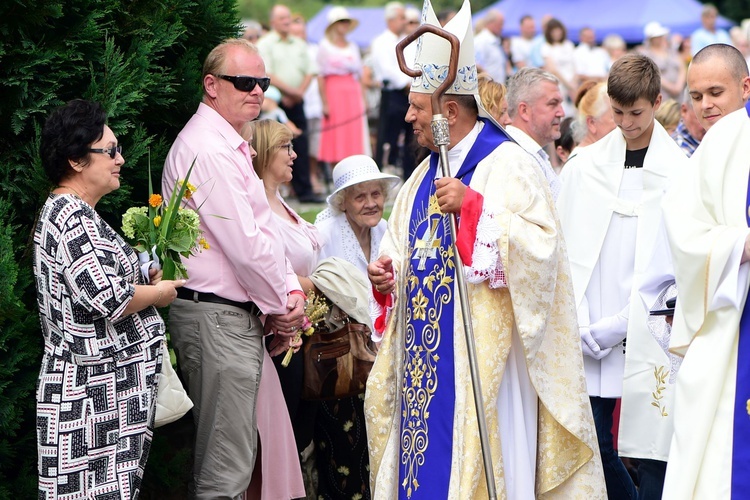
(340, 434)
(97, 384)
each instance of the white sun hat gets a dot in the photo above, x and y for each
(654, 29)
(339, 13)
(354, 170)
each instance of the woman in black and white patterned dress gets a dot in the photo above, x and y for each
(102, 333)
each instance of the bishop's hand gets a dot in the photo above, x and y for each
(450, 194)
(380, 273)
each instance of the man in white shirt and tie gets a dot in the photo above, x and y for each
(535, 108)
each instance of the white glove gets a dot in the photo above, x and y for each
(609, 331)
(589, 346)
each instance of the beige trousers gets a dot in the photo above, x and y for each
(219, 354)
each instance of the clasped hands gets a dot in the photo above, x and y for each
(590, 347)
(285, 326)
(380, 273)
(598, 339)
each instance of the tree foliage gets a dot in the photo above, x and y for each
(736, 10)
(142, 60)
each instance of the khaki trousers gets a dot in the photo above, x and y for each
(219, 354)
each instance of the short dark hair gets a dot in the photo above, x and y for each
(551, 25)
(732, 57)
(467, 102)
(634, 76)
(68, 134)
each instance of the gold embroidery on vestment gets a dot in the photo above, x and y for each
(421, 359)
(660, 374)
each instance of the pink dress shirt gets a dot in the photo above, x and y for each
(246, 260)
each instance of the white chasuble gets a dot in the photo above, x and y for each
(706, 215)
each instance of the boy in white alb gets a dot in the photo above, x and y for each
(609, 212)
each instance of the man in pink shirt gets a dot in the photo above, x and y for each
(214, 323)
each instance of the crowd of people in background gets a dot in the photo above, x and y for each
(285, 121)
(543, 43)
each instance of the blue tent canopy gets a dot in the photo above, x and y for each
(626, 17)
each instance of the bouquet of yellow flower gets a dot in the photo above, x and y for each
(315, 312)
(166, 231)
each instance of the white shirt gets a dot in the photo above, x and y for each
(541, 157)
(490, 55)
(458, 153)
(520, 49)
(610, 286)
(590, 61)
(384, 61)
(311, 102)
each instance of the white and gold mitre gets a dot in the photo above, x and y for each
(433, 54)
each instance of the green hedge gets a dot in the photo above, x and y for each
(142, 60)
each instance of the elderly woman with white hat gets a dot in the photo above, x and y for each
(353, 223)
(352, 227)
(344, 126)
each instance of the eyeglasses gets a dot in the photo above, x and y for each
(112, 152)
(289, 148)
(247, 83)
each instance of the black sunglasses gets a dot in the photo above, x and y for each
(247, 83)
(112, 152)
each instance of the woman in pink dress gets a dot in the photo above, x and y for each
(344, 126)
(283, 427)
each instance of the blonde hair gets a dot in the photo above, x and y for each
(592, 100)
(267, 136)
(491, 93)
(668, 114)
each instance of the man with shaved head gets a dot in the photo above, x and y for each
(707, 217)
(716, 80)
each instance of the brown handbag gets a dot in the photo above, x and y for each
(338, 363)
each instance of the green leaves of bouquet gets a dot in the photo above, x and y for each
(166, 231)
